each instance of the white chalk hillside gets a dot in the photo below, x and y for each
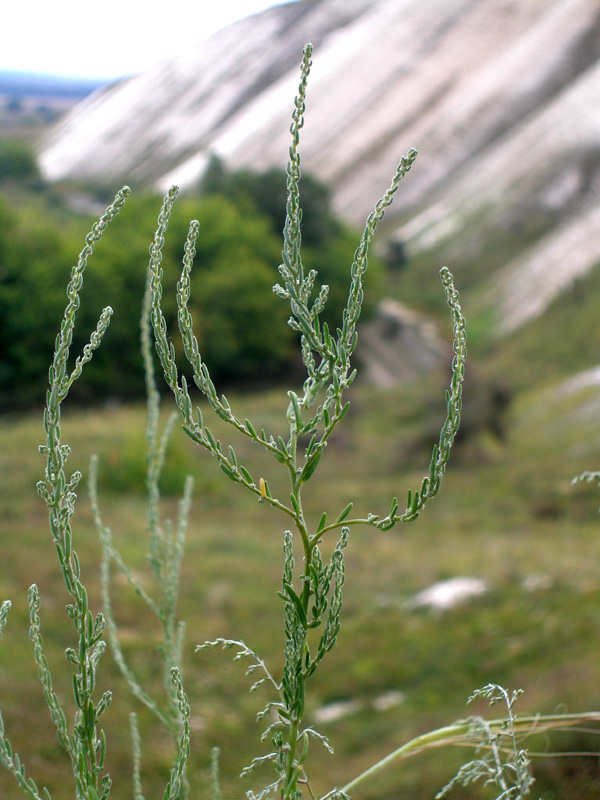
(501, 97)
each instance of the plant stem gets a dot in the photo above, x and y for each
(457, 734)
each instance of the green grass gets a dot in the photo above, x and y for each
(506, 511)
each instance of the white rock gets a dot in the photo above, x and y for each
(334, 711)
(388, 700)
(447, 594)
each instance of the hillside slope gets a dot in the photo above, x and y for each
(500, 97)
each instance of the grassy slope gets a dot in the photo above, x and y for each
(507, 511)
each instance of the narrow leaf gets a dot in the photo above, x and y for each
(297, 603)
(345, 513)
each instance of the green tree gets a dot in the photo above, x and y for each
(267, 192)
(17, 160)
(328, 245)
(34, 263)
(240, 322)
(239, 318)
(236, 311)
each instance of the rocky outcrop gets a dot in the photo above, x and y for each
(501, 97)
(398, 344)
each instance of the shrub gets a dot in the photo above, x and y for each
(240, 324)
(17, 160)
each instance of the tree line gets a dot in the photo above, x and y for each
(240, 323)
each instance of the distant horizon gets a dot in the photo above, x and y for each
(70, 40)
(54, 76)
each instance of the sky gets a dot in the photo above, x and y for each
(105, 39)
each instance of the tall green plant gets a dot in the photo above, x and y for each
(165, 554)
(311, 587)
(312, 594)
(83, 740)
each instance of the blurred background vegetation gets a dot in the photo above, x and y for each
(507, 513)
(240, 323)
